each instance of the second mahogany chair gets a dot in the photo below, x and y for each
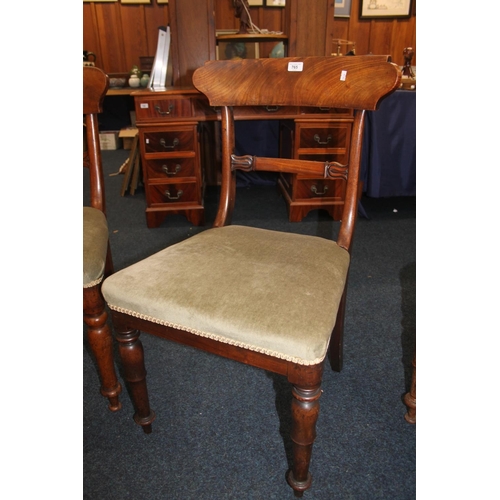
(97, 261)
(265, 298)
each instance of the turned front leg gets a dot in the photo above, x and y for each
(132, 356)
(101, 344)
(305, 411)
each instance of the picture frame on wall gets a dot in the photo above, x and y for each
(255, 3)
(275, 3)
(162, 1)
(135, 1)
(342, 8)
(373, 9)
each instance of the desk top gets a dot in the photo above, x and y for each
(147, 91)
(121, 90)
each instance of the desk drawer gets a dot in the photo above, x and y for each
(174, 193)
(324, 137)
(264, 112)
(338, 112)
(339, 156)
(170, 168)
(162, 109)
(319, 188)
(170, 141)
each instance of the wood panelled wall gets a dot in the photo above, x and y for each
(120, 33)
(378, 36)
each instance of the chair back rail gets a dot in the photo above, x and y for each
(95, 86)
(358, 83)
(319, 81)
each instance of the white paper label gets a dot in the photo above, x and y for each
(144, 105)
(295, 66)
(343, 74)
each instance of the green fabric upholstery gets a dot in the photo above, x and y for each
(95, 246)
(268, 291)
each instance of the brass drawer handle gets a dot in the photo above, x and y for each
(175, 143)
(318, 140)
(271, 109)
(160, 112)
(314, 189)
(168, 172)
(170, 197)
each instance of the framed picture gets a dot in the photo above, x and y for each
(135, 1)
(372, 9)
(162, 1)
(275, 3)
(342, 8)
(255, 3)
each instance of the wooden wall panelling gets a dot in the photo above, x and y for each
(134, 29)
(155, 16)
(309, 25)
(112, 54)
(91, 40)
(106, 29)
(378, 36)
(224, 15)
(193, 37)
(119, 34)
(404, 35)
(381, 37)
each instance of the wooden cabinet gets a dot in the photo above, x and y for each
(316, 139)
(170, 152)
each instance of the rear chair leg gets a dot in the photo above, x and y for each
(336, 350)
(132, 356)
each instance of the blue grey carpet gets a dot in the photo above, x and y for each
(221, 430)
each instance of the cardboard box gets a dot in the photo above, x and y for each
(127, 135)
(110, 140)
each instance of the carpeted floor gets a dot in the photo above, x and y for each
(221, 428)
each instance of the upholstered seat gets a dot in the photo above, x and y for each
(95, 246)
(287, 308)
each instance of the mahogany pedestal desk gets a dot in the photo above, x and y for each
(179, 158)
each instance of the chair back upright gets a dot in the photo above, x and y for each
(358, 83)
(95, 86)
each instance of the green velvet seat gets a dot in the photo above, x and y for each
(270, 292)
(95, 246)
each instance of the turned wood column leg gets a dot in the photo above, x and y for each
(410, 398)
(132, 356)
(305, 411)
(101, 344)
